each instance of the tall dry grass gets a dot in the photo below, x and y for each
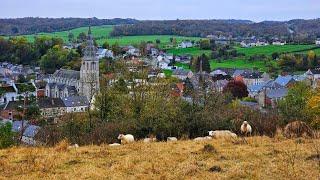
(258, 158)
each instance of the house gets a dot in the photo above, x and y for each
(279, 43)
(185, 44)
(318, 42)
(163, 62)
(76, 104)
(182, 74)
(102, 53)
(285, 81)
(271, 97)
(9, 93)
(132, 51)
(314, 76)
(252, 77)
(51, 107)
(28, 131)
(12, 110)
(40, 88)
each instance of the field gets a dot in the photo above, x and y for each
(238, 63)
(101, 34)
(259, 158)
(268, 50)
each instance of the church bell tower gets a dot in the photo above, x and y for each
(89, 73)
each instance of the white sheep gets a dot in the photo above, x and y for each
(202, 138)
(172, 139)
(126, 139)
(246, 129)
(149, 140)
(222, 134)
(75, 146)
(114, 144)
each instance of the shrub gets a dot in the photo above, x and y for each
(6, 135)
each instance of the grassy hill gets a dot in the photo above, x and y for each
(101, 34)
(268, 50)
(260, 158)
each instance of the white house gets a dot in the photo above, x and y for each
(279, 43)
(318, 42)
(101, 53)
(185, 44)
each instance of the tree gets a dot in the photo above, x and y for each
(158, 41)
(275, 55)
(293, 107)
(204, 60)
(6, 135)
(54, 59)
(70, 37)
(237, 88)
(106, 45)
(116, 49)
(82, 37)
(205, 44)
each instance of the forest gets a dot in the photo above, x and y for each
(303, 29)
(30, 25)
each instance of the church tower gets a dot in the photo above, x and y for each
(89, 73)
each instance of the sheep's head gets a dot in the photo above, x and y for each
(245, 122)
(120, 136)
(211, 133)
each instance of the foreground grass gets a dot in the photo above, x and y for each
(260, 158)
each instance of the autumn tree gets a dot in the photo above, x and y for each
(237, 88)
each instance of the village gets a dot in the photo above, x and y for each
(70, 91)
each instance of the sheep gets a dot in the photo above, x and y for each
(222, 134)
(298, 129)
(149, 140)
(246, 129)
(126, 139)
(75, 146)
(172, 139)
(202, 138)
(114, 144)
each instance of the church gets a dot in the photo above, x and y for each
(65, 83)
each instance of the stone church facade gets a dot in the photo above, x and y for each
(64, 83)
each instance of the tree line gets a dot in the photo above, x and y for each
(30, 25)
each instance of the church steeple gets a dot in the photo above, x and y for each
(90, 50)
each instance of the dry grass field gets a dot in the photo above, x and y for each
(257, 158)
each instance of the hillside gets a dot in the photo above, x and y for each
(261, 158)
(24, 26)
(102, 34)
(202, 28)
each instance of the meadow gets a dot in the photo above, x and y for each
(194, 51)
(238, 63)
(255, 158)
(101, 34)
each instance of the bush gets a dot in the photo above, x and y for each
(6, 135)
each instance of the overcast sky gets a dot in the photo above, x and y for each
(256, 10)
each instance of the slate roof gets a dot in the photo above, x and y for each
(50, 103)
(68, 74)
(75, 101)
(284, 80)
(41, 84)
(17, 125)
(31, 131)
(180, 72)
(277, 93)
(218, 72)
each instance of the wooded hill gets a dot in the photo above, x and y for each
(202, 28)
(29, 25)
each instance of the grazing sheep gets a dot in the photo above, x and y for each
(297, 129)
(75, 146)
(222, 134)
(172, 139)
(246, 129)
(149, 140)
(114, 144)
(202, 138)
(126, 139)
